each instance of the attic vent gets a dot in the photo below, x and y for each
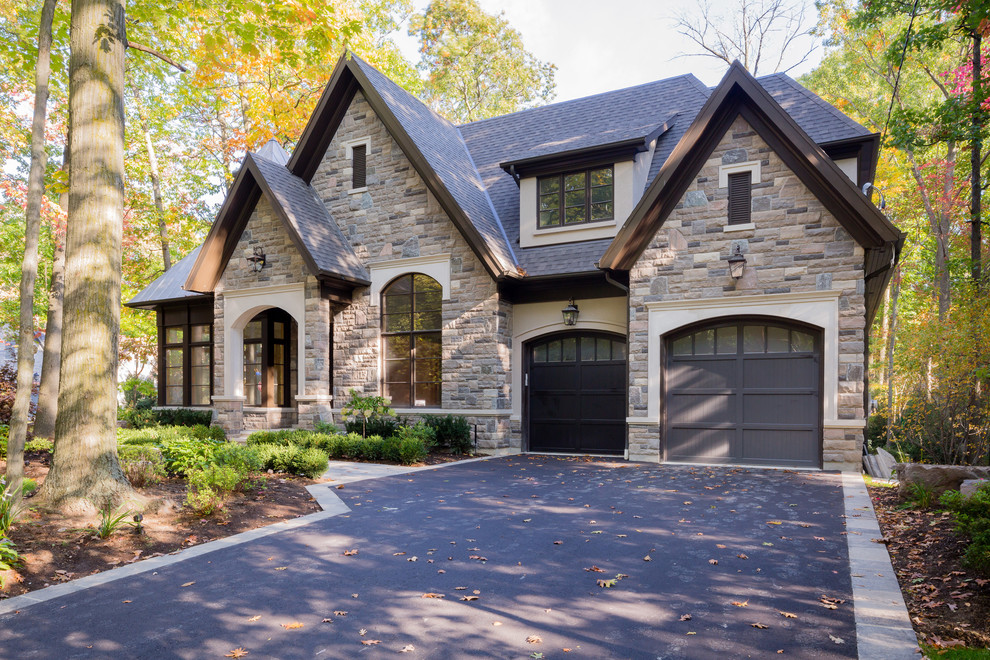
(740, 194)
(359, 163)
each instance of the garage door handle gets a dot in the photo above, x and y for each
(526, 378)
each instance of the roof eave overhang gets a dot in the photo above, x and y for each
(152, 304)
(740, 94)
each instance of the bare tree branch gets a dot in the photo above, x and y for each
(151, 51)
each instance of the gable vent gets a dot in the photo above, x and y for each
(359, 163)
(740, 194)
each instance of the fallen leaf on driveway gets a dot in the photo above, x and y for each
(236, 653)
(339, 613)
(281, 568)
(837, 640)
(371, 642)
(255, 617)
(408, 648)
(350, 553)
(788, 615)
(761, 626)
(432, 595)
(685, 617)
(534, 639)
(398, 554)
(292, 626)
(189, 584)
(647, 558)
(740, 604)
(595, 569)
(469, 598)
(774, 522)
(742, 555)
(713, 562)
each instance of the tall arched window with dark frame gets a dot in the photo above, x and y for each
(412, 331)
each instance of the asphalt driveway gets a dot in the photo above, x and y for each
(505, 558)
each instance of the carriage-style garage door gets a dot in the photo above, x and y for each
(744, 392)
(577, 394)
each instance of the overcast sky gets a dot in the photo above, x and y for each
(600, 46)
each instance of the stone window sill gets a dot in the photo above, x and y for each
(355, 191)
(743, 227)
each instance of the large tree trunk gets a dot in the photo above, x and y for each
(976, 197)
(29, 267)
(85, 472)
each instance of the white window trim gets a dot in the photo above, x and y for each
(349, 156)
(817, 308)
(383, 272)
(752, 166)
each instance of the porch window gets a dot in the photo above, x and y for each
(174, 376)
(412, 333)
(185, 355)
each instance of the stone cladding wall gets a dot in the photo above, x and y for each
(396, 218)
(796, 246)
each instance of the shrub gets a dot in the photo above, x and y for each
(452, 432)
(310, 462)
(9, 511)
(411, 450)
(280, 457)
(350, 446)
(243, 459)
(279, 437)
(421, 430)
(142, 464)
(183, 417)
(392, 449)
(203, 432)
(328, 443)
(137, 418)
(38, 446)
(210, 487)
(139, 393)
(972, 521)
(326, 427)
(368, 415)
(185, 455)
(4, 431)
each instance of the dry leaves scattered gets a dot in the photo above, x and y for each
(236, 653)
(293, 625)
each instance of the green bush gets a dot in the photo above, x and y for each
(972, 521)
(142, 464)
(31, 445)
(279, 437)
(411, 450)
(280, 457)
(452, 432)
(204, 432)
(4, 431)
(187, 454)
(421, 430)
(210, 487)
(183, 417)
(310, 462)
(368, 415)
(241, 458)
(139, 393)
(137, 418)
(392, 449)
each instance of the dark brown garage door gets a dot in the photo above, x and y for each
(744, 392)
(577, 394)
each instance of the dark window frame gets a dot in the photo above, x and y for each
(359, 166)
(268, 319)
(562, 194)
(740, 193)
(412, 334)
(184, 318)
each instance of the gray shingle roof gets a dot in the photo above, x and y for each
(444, 149)
(312, 222)
(821, 120)
(168, 286)
(617, 115)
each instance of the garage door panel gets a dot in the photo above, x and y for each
(701, 408)
(597, 376)
(754, 398)
(780, 408)
(693, 374)
(577, 398)
(790, 372)
(596, 407)
(700, 445)
(793, 446)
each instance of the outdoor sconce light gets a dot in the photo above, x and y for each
(570, 313)
(736, 263)
(257, 260)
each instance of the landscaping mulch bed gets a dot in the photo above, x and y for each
(948, 602)
(56, 548)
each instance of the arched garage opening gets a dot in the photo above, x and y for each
(743, 391)
(576, 393)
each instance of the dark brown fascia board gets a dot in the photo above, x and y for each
(231, 219)
(153, 305)
(478, 245)
(739, 93)
(865, 149)
(548, 288)
(323, 123)
(576, 158)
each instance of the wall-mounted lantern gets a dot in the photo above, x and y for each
(570, 313)
(257, 260)
(737, 262)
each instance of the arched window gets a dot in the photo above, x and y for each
(411, 334)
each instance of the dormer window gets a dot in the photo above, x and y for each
(575, 198)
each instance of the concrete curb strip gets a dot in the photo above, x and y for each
(322, 493)
(883, 625)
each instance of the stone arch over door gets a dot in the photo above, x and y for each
(242, 306)
(743, 390)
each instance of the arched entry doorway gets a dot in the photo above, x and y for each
(745, 391)
(270, 361)
(577, 393)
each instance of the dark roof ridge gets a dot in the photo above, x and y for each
(689, 76)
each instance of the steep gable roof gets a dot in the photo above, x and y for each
(433, 145)
(306, 219)
(740, 94)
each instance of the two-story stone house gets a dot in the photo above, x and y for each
(668, 272)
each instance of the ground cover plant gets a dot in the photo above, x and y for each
(947, 595)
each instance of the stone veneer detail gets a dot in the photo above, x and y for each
(796, 246)
(395, 218)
